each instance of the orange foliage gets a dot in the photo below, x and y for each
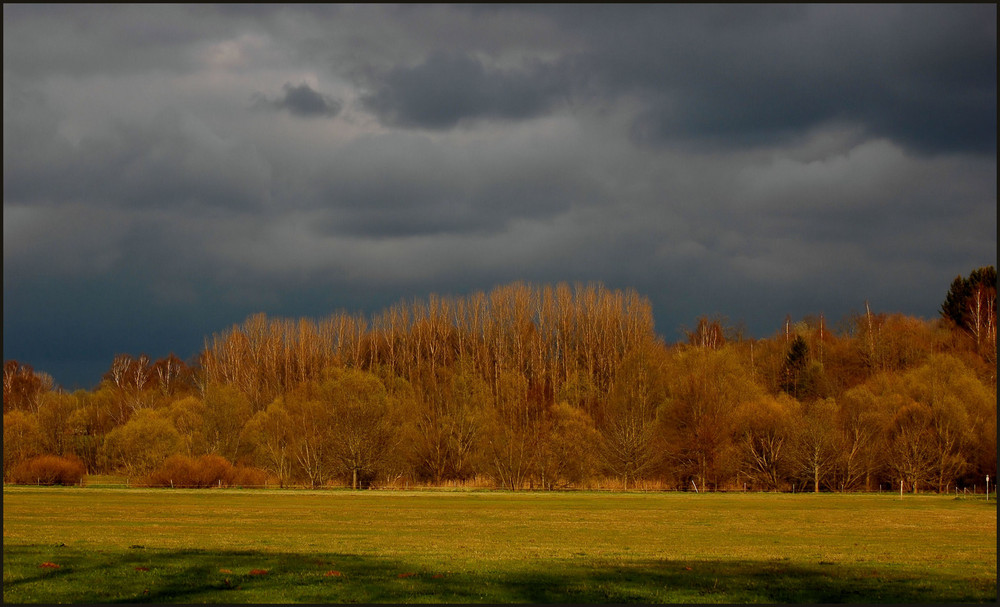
(181, 471)
(49, 470)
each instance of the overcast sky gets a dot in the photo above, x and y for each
(169, 170)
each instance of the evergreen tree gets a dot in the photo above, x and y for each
(795, 363)
(956, 303)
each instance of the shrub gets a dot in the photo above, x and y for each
(49, 470)
(175, 470)
(211, 471)
(204, 471)
(244, 476)
(182, 471)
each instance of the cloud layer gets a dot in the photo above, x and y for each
(171, 169)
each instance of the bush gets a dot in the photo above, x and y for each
(244, 476)
(183, 471)
(49, 470)
(211, 471)
(204, 471)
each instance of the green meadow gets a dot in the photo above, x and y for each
(103, 545)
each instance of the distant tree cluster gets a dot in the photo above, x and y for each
(536, 387)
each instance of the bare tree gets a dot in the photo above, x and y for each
(765, 434)
(815, 451)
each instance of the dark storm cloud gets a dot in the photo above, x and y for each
(450, 87)
(302, 101)
(739, 75)
(728, 76)
(400, 208)
(406, 185)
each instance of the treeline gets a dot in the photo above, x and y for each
(538, 387)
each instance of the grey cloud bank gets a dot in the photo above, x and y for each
(169, 170)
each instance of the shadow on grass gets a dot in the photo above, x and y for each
(191, 576)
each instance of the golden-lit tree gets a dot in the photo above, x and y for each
(629, 428)
(271, 437)
(21, 439)
(142, 444)
(765, 432)
(568, 453)
(815, 449)
(54, 422)
(859, 425)
(363, 424)
(23, 387)
(226, 412)
(512, 433)
(310, 420)
(705, 387)
(187, 414)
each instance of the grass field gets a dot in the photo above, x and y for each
(133, 545)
